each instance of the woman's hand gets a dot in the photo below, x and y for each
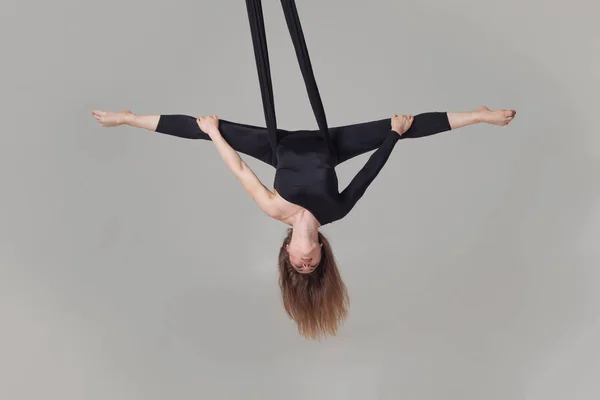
(209, 125)
(401, 123)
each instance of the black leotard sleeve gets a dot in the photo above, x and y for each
(359, 184)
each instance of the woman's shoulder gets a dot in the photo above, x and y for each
(282, 209)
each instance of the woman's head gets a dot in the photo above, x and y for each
(314, 295)
(303, 255)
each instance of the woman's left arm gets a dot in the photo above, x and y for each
(255, 188)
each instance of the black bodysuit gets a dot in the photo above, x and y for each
(306, 160)
(305, 165)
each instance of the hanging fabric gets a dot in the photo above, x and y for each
(259, 41)
(261, 54)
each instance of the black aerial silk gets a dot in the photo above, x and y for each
(261, 54)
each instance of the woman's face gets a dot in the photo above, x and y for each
(304, 258)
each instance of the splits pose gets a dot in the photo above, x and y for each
(306, 194)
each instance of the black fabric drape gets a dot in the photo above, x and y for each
(259, 41)
(261, 54)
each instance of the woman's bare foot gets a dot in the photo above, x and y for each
(110, 118)
(495, 117)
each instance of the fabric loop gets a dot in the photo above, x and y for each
(259, 41)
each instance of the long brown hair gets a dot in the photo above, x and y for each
(318, 302)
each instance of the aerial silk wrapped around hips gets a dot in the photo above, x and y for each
(261, 53)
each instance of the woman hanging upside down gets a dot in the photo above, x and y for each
(306, 194)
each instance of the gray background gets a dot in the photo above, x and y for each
(133, 265)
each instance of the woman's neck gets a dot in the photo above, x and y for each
(305, 228)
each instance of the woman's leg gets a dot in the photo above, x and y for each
(356, 139)
(247, 139)
(353, 140)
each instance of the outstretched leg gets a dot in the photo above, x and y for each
(247, 139)
(356, 139)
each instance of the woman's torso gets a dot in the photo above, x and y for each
(305, 174)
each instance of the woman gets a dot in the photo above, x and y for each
(305, 194)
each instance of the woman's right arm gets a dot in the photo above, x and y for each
(359, 184)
